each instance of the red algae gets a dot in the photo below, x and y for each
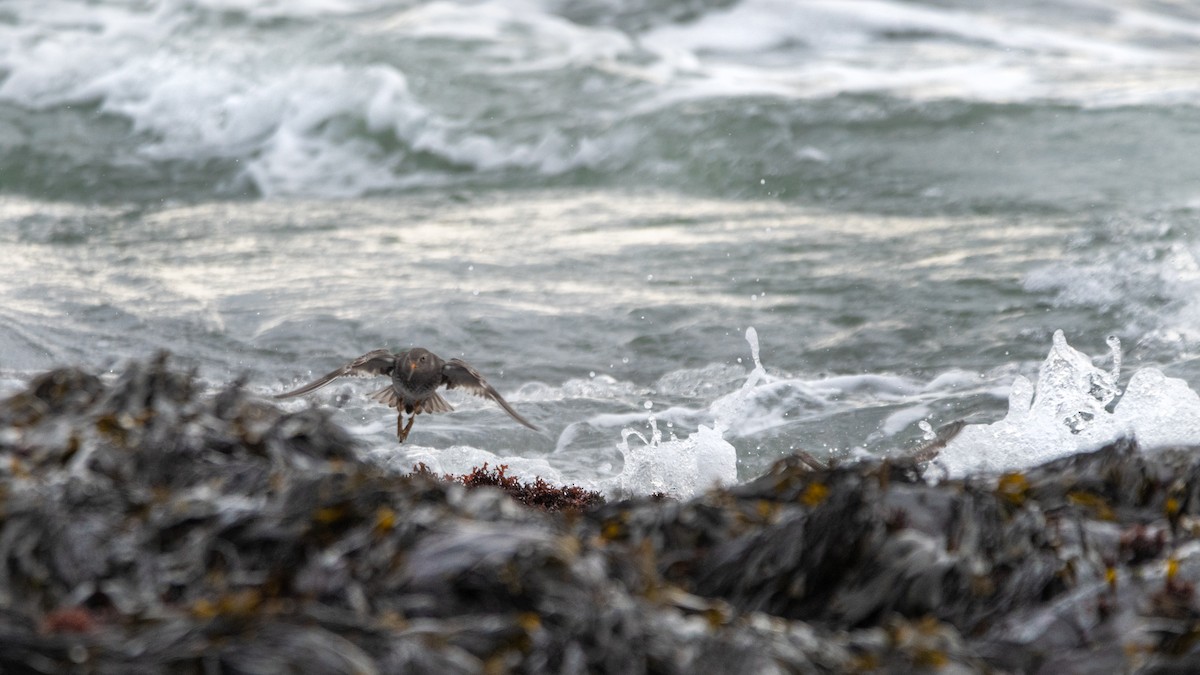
(539, 494)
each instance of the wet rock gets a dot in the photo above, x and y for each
(149, 526)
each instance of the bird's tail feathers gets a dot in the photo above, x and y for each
(436, 404)
(388, 396)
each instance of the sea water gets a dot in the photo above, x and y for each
(592, 202)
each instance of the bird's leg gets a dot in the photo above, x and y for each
(402, 432)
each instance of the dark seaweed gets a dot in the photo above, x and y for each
(148, 526)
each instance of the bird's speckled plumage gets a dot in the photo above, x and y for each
(416, 375)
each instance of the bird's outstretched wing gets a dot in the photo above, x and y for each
(458, 374)
(378, 362)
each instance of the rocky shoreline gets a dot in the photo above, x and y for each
(147, 526)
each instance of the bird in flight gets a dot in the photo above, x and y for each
(416, 375)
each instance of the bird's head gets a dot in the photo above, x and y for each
(418, 359)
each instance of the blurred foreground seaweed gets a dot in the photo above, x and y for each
(146, 526)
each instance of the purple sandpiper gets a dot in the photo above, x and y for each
(416, 376)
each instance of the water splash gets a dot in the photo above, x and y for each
(1070, 387)
(731, 408)
(927, 432)
(1114, 352)
(681, 467)
(1072, 410)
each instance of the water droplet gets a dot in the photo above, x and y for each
(649, 277)
(624, 359)
(648, 405)
(470, 268)
(762, 181)
(927, 430)
(1114, 351)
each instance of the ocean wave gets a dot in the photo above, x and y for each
(350, 97)
(1145, 273)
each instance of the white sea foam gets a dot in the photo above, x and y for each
(775, 404)
(1148, 275)
(319, 97)
(846, 47)
(462, 459)
(754, 26)
(291, 8)
(1071, 410)
(299, 116)
(599, 386)
(519, 34)
(903, 419)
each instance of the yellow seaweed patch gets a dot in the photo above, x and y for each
(864, 663)
(1012, 488)
(1094, 503)
(111, 426)
(765, 510)
(330, 514)
(613, 528)
(715, 617)
(204, 609)
(385, 519)
(237, 603)
(930, 658)
(814, 494)
(529, 621)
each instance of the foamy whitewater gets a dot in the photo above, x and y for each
(593, 203)
(1075, 408)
